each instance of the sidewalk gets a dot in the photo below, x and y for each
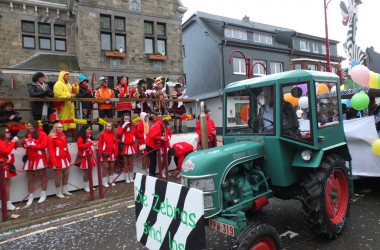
(55, 208)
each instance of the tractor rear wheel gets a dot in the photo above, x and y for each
(257, 237)
(325, 198)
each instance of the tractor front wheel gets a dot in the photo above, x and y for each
(257, 237)
(325, 198)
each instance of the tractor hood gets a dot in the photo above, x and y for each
(220, 159)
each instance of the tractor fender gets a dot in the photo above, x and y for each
(317, 155)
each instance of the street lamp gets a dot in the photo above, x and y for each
(328, 66)
(247, 61)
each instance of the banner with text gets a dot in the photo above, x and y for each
(168, 215)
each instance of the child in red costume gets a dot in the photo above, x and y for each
(122, 91)
(86, 143)
(126, 132)
(108, 150)
(60, 159)
(35, 143)
(7, 148)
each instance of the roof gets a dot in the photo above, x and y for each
(291, 76)
(49, 62)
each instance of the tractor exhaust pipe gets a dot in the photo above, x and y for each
(203, 124)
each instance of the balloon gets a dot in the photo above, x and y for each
(342, 87)
(333, 89)
(376, 147)
(304, 102)
(347, 102)
(378, 81)
(360, 74)
(322, 88)
(360, 101)
(354, 63)
(303, 87)
(296, 92)
(299, 113)
(373, 81)
(289, 98)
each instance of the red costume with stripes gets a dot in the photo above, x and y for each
(127, 136)
(86, 150)
(108, 145)
(35, 150)
(58, 150)
(7, 149)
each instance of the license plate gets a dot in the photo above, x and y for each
(222, 227)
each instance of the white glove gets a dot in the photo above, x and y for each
(32, 143)
(148, 92)
(144, 137)
(125, 124)
(128, 129)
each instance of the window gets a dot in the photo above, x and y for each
(260, 38)
(315, 48)
(27, 26)
(324, 49)
(28, 42)
(112, 32)
(304, 45)
(45, 43)
(155, 38)
(236, 34)
(312, 67)
(297, 66)
(60, 44)
(327, 107)
(44, 28)
(323, 68)
(276, 67)
(259, 68)
(43, 36)
(239, 66)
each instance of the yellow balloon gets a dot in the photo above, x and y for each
(322, 88)
(376, 147)
(373, 83)
(342, 87)
(289, 98)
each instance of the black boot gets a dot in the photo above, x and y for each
(180, 129)
(175, 129)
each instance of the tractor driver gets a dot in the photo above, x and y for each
(266, 111)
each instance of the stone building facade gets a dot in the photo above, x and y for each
(81, 36)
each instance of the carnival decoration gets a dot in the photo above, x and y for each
(360, 101)
(376, 147)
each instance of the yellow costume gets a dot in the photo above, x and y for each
(66, 110)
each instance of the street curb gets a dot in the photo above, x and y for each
(11, 225)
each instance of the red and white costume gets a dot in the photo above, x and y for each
(108, 145)
(127, 136)
(122, 91)
(86, 150)
(58, 150)
(35, 150)
(7, 149)
(182, 149)
(168, 136)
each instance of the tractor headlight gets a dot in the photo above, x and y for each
(306, 155)
(202, 184)
(208, 201)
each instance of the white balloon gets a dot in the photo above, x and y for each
(333, 89)
(299, 113)
(303, 102)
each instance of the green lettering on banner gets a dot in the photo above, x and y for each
(192, 223)
(155, 207)
(152, 232)
(140, 198)
(173, 245)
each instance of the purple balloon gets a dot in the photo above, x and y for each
(303, 87)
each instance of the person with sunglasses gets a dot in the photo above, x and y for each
(7, 148)
(85, 143)
(35, 143)
(60, 159)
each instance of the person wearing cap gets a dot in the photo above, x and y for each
(105, 107)
(39, 89)
(7, 114)
(85, 92)
(122, 91)
(140, 93)
(63, 89)
(178, 108)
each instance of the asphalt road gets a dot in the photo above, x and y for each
(114, 227)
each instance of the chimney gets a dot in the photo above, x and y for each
(246, 19)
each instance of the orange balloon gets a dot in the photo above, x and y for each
(244, 112)
(322, 88)
(289, 98)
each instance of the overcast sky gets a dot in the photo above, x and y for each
(305, 16)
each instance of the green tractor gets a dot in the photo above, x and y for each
(283, 137)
